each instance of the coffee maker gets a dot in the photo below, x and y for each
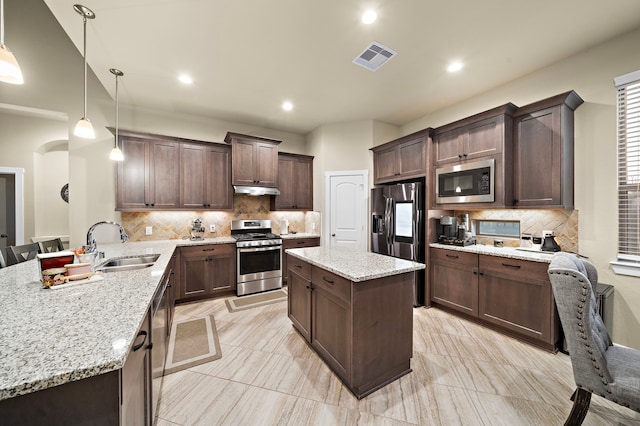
(454, 234)
(447, 229)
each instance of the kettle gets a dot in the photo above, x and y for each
(550, 244)
(197, 230)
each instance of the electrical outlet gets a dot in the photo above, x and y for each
(149, 230)
(212, 228)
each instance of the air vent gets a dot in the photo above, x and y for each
(374, 56)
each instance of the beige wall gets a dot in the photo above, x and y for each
(590, 74)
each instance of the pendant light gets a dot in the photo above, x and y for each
(84, 129)
(116, 153)
(9, 68)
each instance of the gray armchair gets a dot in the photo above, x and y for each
(599, 366)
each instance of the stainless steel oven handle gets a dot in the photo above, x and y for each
(255, 249)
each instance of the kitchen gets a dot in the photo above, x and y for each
(590, 73)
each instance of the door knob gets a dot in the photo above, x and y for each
(333, 235)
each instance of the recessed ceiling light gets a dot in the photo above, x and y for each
(454, 66)
(185, 79)
(287, 106)
(369, 17)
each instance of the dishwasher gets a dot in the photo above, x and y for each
(159, 340)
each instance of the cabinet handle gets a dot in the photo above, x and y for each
(464, 155)
(208, 249)
(298, 266)
(515, 201)
(141, 344)
(511, 266)
(325, 279)
(460, 156)
(480, 273)
(299, 242)
(452, 256)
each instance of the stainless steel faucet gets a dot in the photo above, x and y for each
(91, 242)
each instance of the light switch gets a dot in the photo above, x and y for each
(149, 230)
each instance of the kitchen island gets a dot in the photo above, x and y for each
(355, 310)
(55, 340)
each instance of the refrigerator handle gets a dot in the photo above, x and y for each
(416, 237)
(392, 228)
(387, 219)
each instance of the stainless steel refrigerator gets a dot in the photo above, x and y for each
(397, 226)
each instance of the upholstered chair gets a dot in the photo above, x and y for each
(599, 365)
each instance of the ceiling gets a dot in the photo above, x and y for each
(246, 57)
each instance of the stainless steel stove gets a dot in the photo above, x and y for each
(258, 256)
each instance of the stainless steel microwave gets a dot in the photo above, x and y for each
(466, 183)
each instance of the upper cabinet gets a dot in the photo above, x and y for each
(148, 176)
(295, 182)
(543, 166)
(401, 159)
(255, 160)
(484, 136)
(205, 176)
(165, 173)
(479, 136)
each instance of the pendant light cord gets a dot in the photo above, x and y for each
(116, 110)
(84, 55)
(1, 22)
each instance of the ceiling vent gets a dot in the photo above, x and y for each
(374, 56)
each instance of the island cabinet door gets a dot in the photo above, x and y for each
(299, 300)
(517, 295)
(331, 331)
(454, 280)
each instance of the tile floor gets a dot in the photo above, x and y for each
(462, 374)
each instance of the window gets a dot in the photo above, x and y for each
(628, 87)
(499, 228)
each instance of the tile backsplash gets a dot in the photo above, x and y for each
(171, 225)
(563, 223)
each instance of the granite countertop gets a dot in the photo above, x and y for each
(299, 235)
(509, 252)
(51, 337)
(354, 265)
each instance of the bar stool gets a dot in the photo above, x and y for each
(50, 246)
(19, 254)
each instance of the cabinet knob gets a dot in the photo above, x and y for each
(333, 235)
(460, 156)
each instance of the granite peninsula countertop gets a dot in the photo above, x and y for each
(299, 235)
(354, 265)
(508, 252)
(51, 337)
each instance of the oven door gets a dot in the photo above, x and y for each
(258, 263)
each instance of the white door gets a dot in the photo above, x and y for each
(346, 203)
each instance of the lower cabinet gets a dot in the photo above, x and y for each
(136, 380)
(206, 270)
(362, 330)
(511, 295)
(291, 243)
(120, 397)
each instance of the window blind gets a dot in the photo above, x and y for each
(629, 166)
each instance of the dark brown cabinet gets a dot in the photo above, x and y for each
(136, 380)
(148, 176)
(543, 136)
(454, 280)
(206, 270)
(517, 295)
(291, 243)
(295, 182)
(254, 160)
(512, 295)
(299, 295)
(205, 176)
(488, 135)
(362, 330)
(401, 159)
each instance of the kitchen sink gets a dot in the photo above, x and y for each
(128, 263)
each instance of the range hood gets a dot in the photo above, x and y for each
(255, 190)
